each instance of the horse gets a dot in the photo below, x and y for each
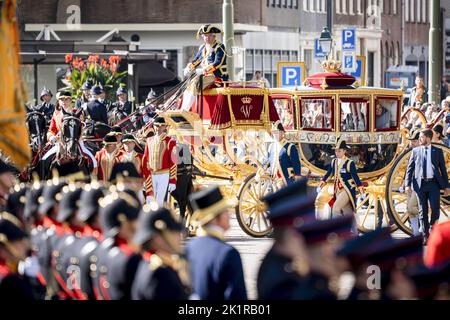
(93, 134)
(116, 115)
(36, 124)
(67, 156)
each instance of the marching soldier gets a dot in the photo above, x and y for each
(216, 267)
(96, 109)
(122, 104)
(13, 249)
(284, 159)
(284, 268)
(159, 163)
(162, 274)
(130, 154)
(107, 157)
(15, 204)
(128, 179)
(86, 97)
(346, 181)
(115, 262)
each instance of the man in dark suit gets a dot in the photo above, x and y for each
(427, 175)
(216, 267)
(96, 109)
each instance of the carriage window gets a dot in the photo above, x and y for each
(285, 112)
(317, 114)
(354, 115)
(386, 114)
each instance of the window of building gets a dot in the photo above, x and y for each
(394, 7)
(424, 11)
(407, 10)
(338, 6)
(344, 6)
(324, 6)
(311, 5)
(350, 8)
(419, 11)
(296, 4)
(305, 5)
(290, 3)
(284, 3)
(359, 7)
(308, 58)
(413, 11)
(279, 3)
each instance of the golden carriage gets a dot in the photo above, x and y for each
(229, 131)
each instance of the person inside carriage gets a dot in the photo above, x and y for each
(209, 65)
(54, 131)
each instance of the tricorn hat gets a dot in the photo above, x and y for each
(109, 139)
(125, 171)
(207, 29)
(160, 121)
(342, 144)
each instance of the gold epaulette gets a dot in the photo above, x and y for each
(155, 262)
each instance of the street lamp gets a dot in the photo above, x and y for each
(325, 41)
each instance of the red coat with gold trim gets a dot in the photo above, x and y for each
(134, 157)
(55, 124)
(159, 157)
(105, 163)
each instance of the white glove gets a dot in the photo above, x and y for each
(53, 139)
(30, 267)
(186, 71)
(199, 71)
(172, 187)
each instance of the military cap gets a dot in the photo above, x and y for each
(155, 220)
(121, 90)
(207, 204)
(397, 252)
(295, 210)
(294, 189)
(69, 202)
(342, 144)
(87, 85)
(116, 130)
(354, 249)
(97, 89)
(64, 94)
(6, 167)
(124, 171)
(110, 139)
(207, 29)
(16, 200)
(319, 231)
(159, 121)
(116, 209)
(429, 280)
(32, 199)
(51, 195)
(10, 229)
(44, 92)
(89, 201)
(414, 135)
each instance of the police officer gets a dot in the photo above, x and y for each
(284, 159)
(47, 107)
(284, 268)
(216, 267)
(346, 181)
(115, 262)
(122, 104)
(162, 274)
(96, 109)
(86, 97)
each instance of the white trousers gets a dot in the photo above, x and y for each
(189, 99)
(160, 185)
(83, 148)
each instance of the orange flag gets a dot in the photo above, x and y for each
(13, 130)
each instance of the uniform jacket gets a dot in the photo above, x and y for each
(97, 111)
(115, 268)
(156, 279)
(13, 286)
(215, 60)
(126, 107)
(216, 269)
(159, 156)
(134, 157)
(47, 108)
(106, 164)
(285, 162)
(346, 175)
(277, 280)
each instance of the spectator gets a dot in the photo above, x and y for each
(259, 77)
(444, 88)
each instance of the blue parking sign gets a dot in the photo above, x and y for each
(290, 74)
(318, 53)
(349, 39)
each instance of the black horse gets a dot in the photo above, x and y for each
(116, 115)
(37, 128)
(68, 157)
(93, 134)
